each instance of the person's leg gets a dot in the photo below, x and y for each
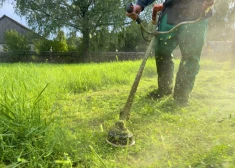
(164, 46)
(191, 41)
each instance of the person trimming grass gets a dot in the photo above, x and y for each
(190, 39)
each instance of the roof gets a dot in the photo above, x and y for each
(5, 16)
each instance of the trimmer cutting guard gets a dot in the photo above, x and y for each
(120, 136)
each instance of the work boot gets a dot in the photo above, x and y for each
(158, 94)
(181, 100)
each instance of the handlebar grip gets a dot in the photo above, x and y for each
(129, 9)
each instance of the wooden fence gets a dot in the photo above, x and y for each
(67, 57)
(73, 57)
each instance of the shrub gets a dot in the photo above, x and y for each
(16, 44)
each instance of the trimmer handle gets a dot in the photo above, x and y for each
(129, 9)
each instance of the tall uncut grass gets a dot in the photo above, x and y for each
(59, 115)
(30, 119)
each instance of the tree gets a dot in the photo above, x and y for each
(73, 41)
(84, 16)
(16, 44)
(42, 45)
(101, 39)
(59, 43)
(221, 25)
(133, 39)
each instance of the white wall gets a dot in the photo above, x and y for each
(31, 45)
(1, 48)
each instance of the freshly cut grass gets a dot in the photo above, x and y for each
(59, 115)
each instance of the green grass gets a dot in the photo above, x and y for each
(59, 115)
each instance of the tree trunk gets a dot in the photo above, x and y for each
(85, 46)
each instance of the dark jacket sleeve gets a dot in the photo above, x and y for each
(144, 3)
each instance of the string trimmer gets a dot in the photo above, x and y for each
(119, 135)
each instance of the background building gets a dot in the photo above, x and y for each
(6, 23)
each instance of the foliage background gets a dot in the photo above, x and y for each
(95, 26)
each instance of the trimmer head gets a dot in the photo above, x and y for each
(120, 136)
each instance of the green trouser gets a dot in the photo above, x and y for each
(190, 39)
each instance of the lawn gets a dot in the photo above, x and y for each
(59, 116)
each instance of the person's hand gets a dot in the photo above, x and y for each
(136, 11)
(156, 8)
(206, 6)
